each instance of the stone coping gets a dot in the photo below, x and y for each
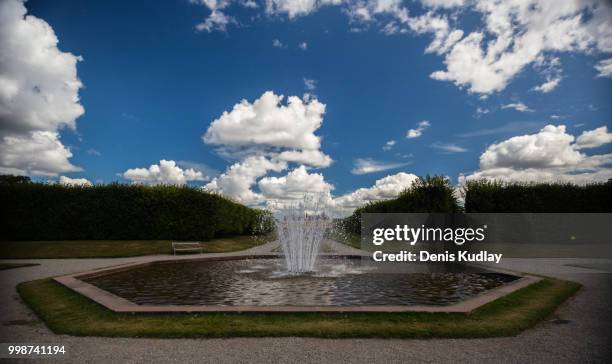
(122, 305)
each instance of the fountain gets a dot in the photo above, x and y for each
(301, 280)
(300, 228)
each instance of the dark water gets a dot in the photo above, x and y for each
(262, 282)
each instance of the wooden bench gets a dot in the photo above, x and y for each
(184, 247)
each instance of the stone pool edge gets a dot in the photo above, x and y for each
(121, 305)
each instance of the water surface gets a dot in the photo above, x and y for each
(337, 282)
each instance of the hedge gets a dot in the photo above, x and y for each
(36, 211)
(496, 196)
(427, 194)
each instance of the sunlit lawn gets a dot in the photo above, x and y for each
(114, 249)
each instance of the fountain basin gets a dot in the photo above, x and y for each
(260, 284)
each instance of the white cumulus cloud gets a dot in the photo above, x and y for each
(267, 122)
(551, 155)
(236, 182)
(166, 172)
(266, 135)
(39, 153)
(314, 158)
(38, 95)
(594, 138)
(67, 181)
(518, 33)
(294, 185)
(383, 189)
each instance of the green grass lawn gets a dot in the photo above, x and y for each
(114, 249)
(5, 266)
(66, 312)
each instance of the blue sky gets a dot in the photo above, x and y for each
(152, 83)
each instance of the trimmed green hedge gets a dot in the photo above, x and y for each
(495, 196)
(427, 194)
(35, 211)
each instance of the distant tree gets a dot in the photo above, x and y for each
(9, 179)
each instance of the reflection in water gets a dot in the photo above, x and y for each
(265, 282)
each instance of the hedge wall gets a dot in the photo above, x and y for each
(35, 211)
(494, 196)
(427, 194)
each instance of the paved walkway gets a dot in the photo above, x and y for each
(586, 337)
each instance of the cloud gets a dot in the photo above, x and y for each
(604, 68)
(295, 8)
(314, 158)
(551, 146)
(484, 57)
(448, 148)
(444, 37)
(249, 4)
(303, 46)
(266, 122)
(518, 33)
(217, 20)
(368, 165)
(237, 180)
(67, 181)
(443, 3)
(383, 189)
(518, 106)
(507, 128)
(38, 95)
(294, 185)
(389, 145)
(206, 170)
(279, 192)
(481, 111)
(278, 44)
(310, 84)
(418, 131)
(39, 154)
(548, 86)
(269, 136)
(166, 172)
(593, 138)
(265, 135)
(129, 117)
(551, 155)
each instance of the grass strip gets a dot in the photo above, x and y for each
(67, 312)
(114, 248)
(6, 266)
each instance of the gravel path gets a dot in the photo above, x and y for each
(585, 338)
